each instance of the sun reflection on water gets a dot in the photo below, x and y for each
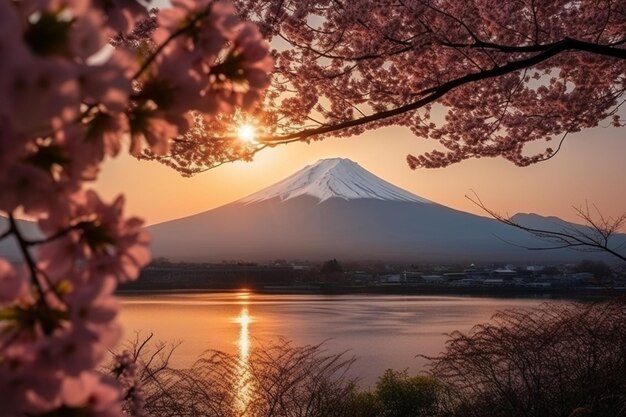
(244, 380)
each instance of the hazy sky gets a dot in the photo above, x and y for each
(589, 167)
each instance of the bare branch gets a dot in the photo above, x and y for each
(595, 236)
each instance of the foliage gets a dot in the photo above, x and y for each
(68, 101)
(479, 78)
(551, 271)
(597, 268)
(332, 266)
(398, 395)
(557, 360)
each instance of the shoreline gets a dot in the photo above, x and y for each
(503, 292)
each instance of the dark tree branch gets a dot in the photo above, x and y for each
(430, 95)
(182, 30)
(28, 258)
(595, 239)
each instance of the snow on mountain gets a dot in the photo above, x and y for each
(335, 177)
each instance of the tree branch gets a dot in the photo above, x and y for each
(434, 93)
(573, 238)
(30, 262)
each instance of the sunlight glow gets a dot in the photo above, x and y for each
(244, 380)
(247, 133)
(244, 321)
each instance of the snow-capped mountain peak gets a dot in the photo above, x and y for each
(335, 177)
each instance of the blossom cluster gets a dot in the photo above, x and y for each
(480, 78)
(126, 371)
(70, 100)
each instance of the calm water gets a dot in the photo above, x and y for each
(383, 331)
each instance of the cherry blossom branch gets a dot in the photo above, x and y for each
(167, 41)
(61, 233)
(30, 262)
(365, 57)
(35, 272)
(607, 50)
(146, 64)
(434, 93)
(558, 148)
(59, 304)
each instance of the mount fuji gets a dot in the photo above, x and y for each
(334, 178)
(336, 209)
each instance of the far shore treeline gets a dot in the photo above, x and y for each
(583, 279)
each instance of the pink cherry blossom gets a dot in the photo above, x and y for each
(84, 41)
(13, 285)
(109, 84)
(500, 76)
(43, 93)
(67, 102)
(171, 19)
(125, 369)
(91, 393)
(155, 128)
(32, 189)
(121, 15)
(98, 235)
(104, 134)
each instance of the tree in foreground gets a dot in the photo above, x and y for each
(479, 78)
(68, 101)
(557, 360)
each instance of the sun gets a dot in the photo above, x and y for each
(247, 133)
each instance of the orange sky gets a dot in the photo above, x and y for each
(590, 167)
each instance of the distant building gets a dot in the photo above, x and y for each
(493, 282)
(434, 279)
(539, 285)
(391, 279)
(535, 268)
(504, 273)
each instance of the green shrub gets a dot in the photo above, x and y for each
(397, 395)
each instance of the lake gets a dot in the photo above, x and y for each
(382, 331)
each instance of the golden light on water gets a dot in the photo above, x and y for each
(244, 382)
(243, 296)
(247, 133)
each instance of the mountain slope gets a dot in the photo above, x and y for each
(336, 209)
